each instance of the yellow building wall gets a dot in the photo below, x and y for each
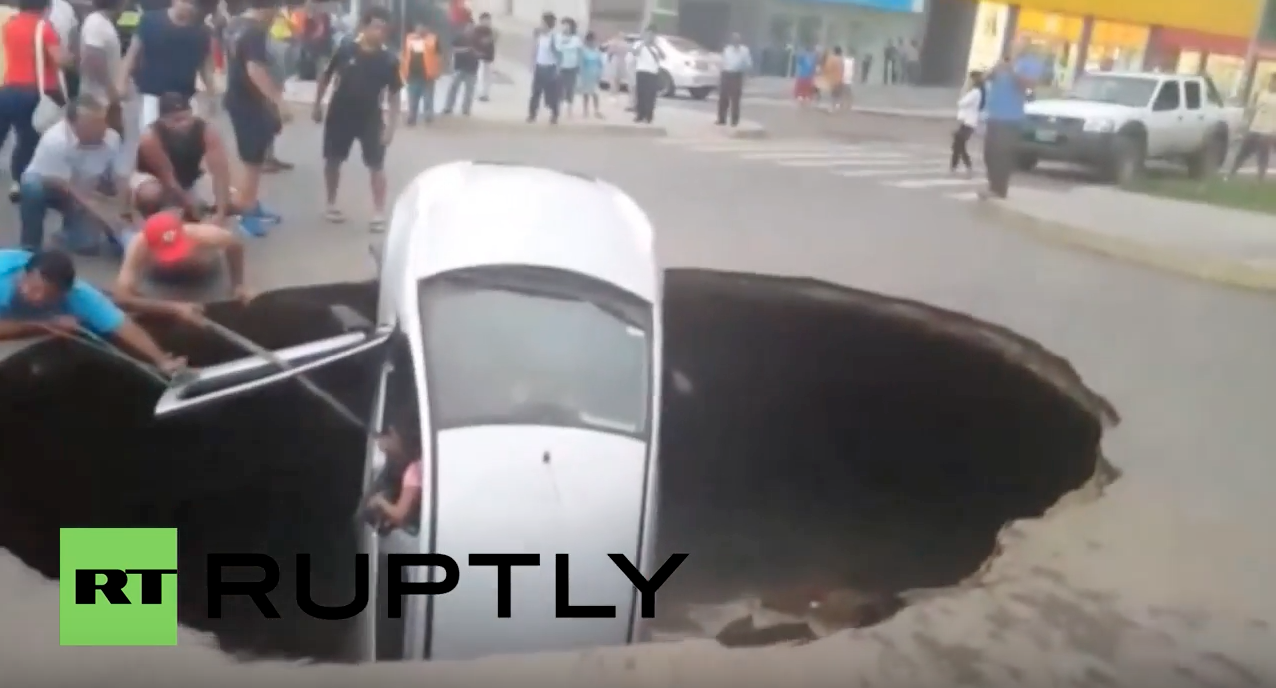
(1224, 17)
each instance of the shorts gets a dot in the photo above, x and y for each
(804, 87)
(255, 130)
(340, 133)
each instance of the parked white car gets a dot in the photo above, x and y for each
(519, 325)
(687, 66)
(1114, 122)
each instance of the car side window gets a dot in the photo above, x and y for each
(1192, 95)
(1168, 98)
(1211, 93)
(400, 434)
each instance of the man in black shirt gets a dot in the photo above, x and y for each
(485, 42)
(366, 73)
(465, 66)
(255, 106)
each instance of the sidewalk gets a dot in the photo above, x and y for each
(1230, 247)
(922, 102)
(507, 109)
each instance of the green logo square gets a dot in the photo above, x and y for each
(121, 552)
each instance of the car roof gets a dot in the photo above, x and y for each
(471, 214)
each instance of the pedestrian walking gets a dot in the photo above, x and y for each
(833, 73)
(63, 17)
(591, 72)
(848, 77)
(544, 70)
(569, 47)
(485, 43)
(1260, 131)
(366, 72)
(647, 58)
(618, 57)
(74, 173)
(30, 43)
(890, 63)
(420, 66)
(101, 58)
(169, 50)
(866, 67)
(256, 108)
(805, 64)
(969, 108)
(736, 62)
(1007, 87)
(465, 66)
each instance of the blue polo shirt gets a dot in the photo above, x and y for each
(1005, 98)
(83, 302)
(805, 65)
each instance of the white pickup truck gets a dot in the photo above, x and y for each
(1115, 121)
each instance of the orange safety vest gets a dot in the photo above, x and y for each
(429, 57)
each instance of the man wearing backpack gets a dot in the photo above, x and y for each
(420, 66)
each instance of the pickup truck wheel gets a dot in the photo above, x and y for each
(1026, 163)
(701, 92)
(1128, 156)
(1206, 160)
(667, 89)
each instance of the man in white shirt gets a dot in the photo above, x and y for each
(100, 59)
(647, 57)
(544, 70)
(62, 17)
(736, 62)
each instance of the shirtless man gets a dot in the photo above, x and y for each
(171, 155)
(169, 251)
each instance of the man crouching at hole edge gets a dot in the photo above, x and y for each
(40, 295)
(171, 253)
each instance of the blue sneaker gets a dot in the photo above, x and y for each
(252, 225)
(264, 215)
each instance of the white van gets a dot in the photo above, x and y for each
(519, 322)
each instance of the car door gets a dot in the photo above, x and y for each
(1165, 121)
(229, 381)
(1195, 123)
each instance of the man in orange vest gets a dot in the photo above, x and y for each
(420, 65)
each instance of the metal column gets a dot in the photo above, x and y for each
(1251, 52)
(1083, 49)
(1011, 27)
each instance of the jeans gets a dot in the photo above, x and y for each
(420, 99)
(544, 87)
(1001, 138)
(17, 105)
(79, 231)
(459, 80)
(1258, 146)
(484, 79)
(960, 155)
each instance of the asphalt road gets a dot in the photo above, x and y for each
(1187, 363)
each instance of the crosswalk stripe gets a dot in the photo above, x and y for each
(914, 170)
(892, 159)
(963, 196)
(825, 155)
(931, 183)
(743, 146)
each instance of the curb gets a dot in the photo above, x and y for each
(1223, 271)
(902, 113)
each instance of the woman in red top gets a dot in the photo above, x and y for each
(20, 95)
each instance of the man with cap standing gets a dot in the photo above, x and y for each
(169, 252)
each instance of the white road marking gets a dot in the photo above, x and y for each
(896, 172)
(963, 196)
(886, 159)
(935, 182)
(809, 155)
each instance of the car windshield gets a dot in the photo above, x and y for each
(685, 45)
(535, 347)
(1118, 90)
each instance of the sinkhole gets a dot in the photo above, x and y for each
(824, 450)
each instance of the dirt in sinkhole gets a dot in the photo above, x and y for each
(819, 445)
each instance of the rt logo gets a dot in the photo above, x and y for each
(117, 586)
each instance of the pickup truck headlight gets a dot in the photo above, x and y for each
(1102, 126)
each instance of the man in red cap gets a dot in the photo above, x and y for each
(170, 252)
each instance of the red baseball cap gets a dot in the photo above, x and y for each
(166, 238)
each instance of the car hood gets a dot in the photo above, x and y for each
(542, 490)
(1080, 109)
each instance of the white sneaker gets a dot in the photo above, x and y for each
(334, 215)
(377, 224)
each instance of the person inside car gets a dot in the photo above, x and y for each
(396, 500)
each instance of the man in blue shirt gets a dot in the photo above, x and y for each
(1007, 86)
(40, 294)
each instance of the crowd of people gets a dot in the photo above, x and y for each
(119, 151)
